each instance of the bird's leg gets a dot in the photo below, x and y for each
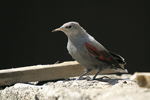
(96, 74)
(101, 77)
(88, 70)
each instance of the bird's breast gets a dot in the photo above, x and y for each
(76, 49)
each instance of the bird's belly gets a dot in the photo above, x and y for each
(82, 57)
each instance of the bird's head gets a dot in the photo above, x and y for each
(70, 28)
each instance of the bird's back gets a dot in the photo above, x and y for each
(91, 54)
(78, 50)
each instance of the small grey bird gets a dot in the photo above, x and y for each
(89, 52)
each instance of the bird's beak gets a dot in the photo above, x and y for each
(58, 29)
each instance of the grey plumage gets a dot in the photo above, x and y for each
(89, 52)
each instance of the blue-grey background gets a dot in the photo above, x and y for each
(26, 38)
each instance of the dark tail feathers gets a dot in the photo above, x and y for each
(118, 58)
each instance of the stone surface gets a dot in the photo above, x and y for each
(115, 88)
(45, 72)
(142, 78)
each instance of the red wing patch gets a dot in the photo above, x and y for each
(103, 55)
(100, 55)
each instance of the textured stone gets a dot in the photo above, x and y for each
(143, 79)
(45, 72)
(115, 88)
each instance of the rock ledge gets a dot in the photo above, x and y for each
(115, 88)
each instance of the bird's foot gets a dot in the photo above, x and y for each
(84, 78)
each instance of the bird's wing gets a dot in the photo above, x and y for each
(102, 55)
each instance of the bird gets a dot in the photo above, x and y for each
(87, 51)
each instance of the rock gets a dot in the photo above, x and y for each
(143, 79)
(45, 72)
(115, 88)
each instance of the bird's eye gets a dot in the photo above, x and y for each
(68, 26)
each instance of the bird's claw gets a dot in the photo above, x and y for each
(84, 78)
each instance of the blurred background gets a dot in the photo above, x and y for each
(26, 38)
